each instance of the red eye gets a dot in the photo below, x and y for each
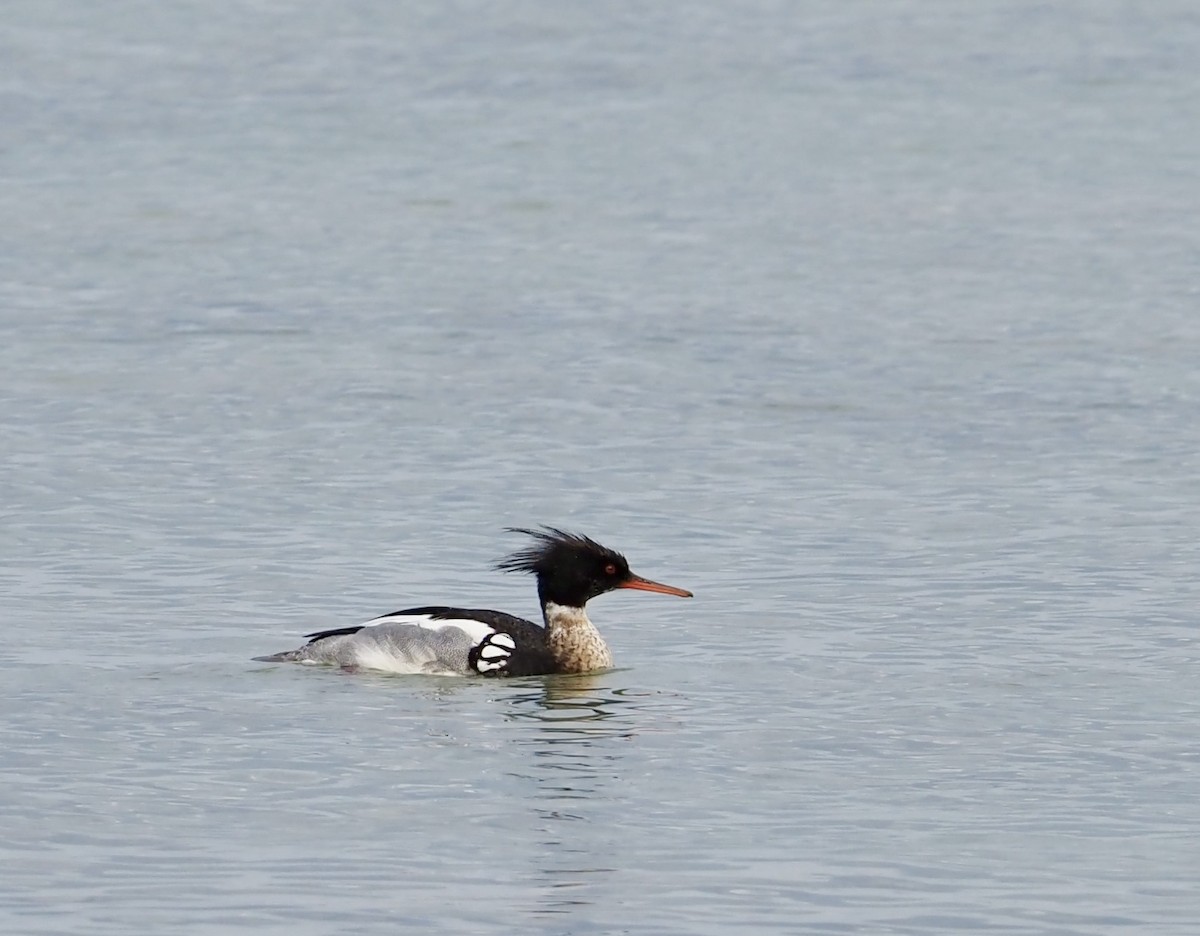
(610, 569)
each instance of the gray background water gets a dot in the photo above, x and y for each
(875, 324)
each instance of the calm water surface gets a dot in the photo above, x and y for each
(874, 325)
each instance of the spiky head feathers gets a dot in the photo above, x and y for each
(570, 568)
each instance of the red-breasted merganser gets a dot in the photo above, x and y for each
(571, 569)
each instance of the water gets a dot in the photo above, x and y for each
(874, 325)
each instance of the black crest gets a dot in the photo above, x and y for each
(570, 567)
(551, 547)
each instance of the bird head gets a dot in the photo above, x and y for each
(571, 569)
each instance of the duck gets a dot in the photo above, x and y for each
(570, 569)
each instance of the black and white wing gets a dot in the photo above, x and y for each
(432, 641)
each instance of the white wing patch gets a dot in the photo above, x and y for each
(494, 652)
(476, 630)
(415, 643)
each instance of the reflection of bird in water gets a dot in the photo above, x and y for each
(575, 703)
(581, 733)
(571, 698)
(573, 721)
(570, 571)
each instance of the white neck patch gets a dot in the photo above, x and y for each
(565, 616)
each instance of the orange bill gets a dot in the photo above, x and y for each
(641, 584)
